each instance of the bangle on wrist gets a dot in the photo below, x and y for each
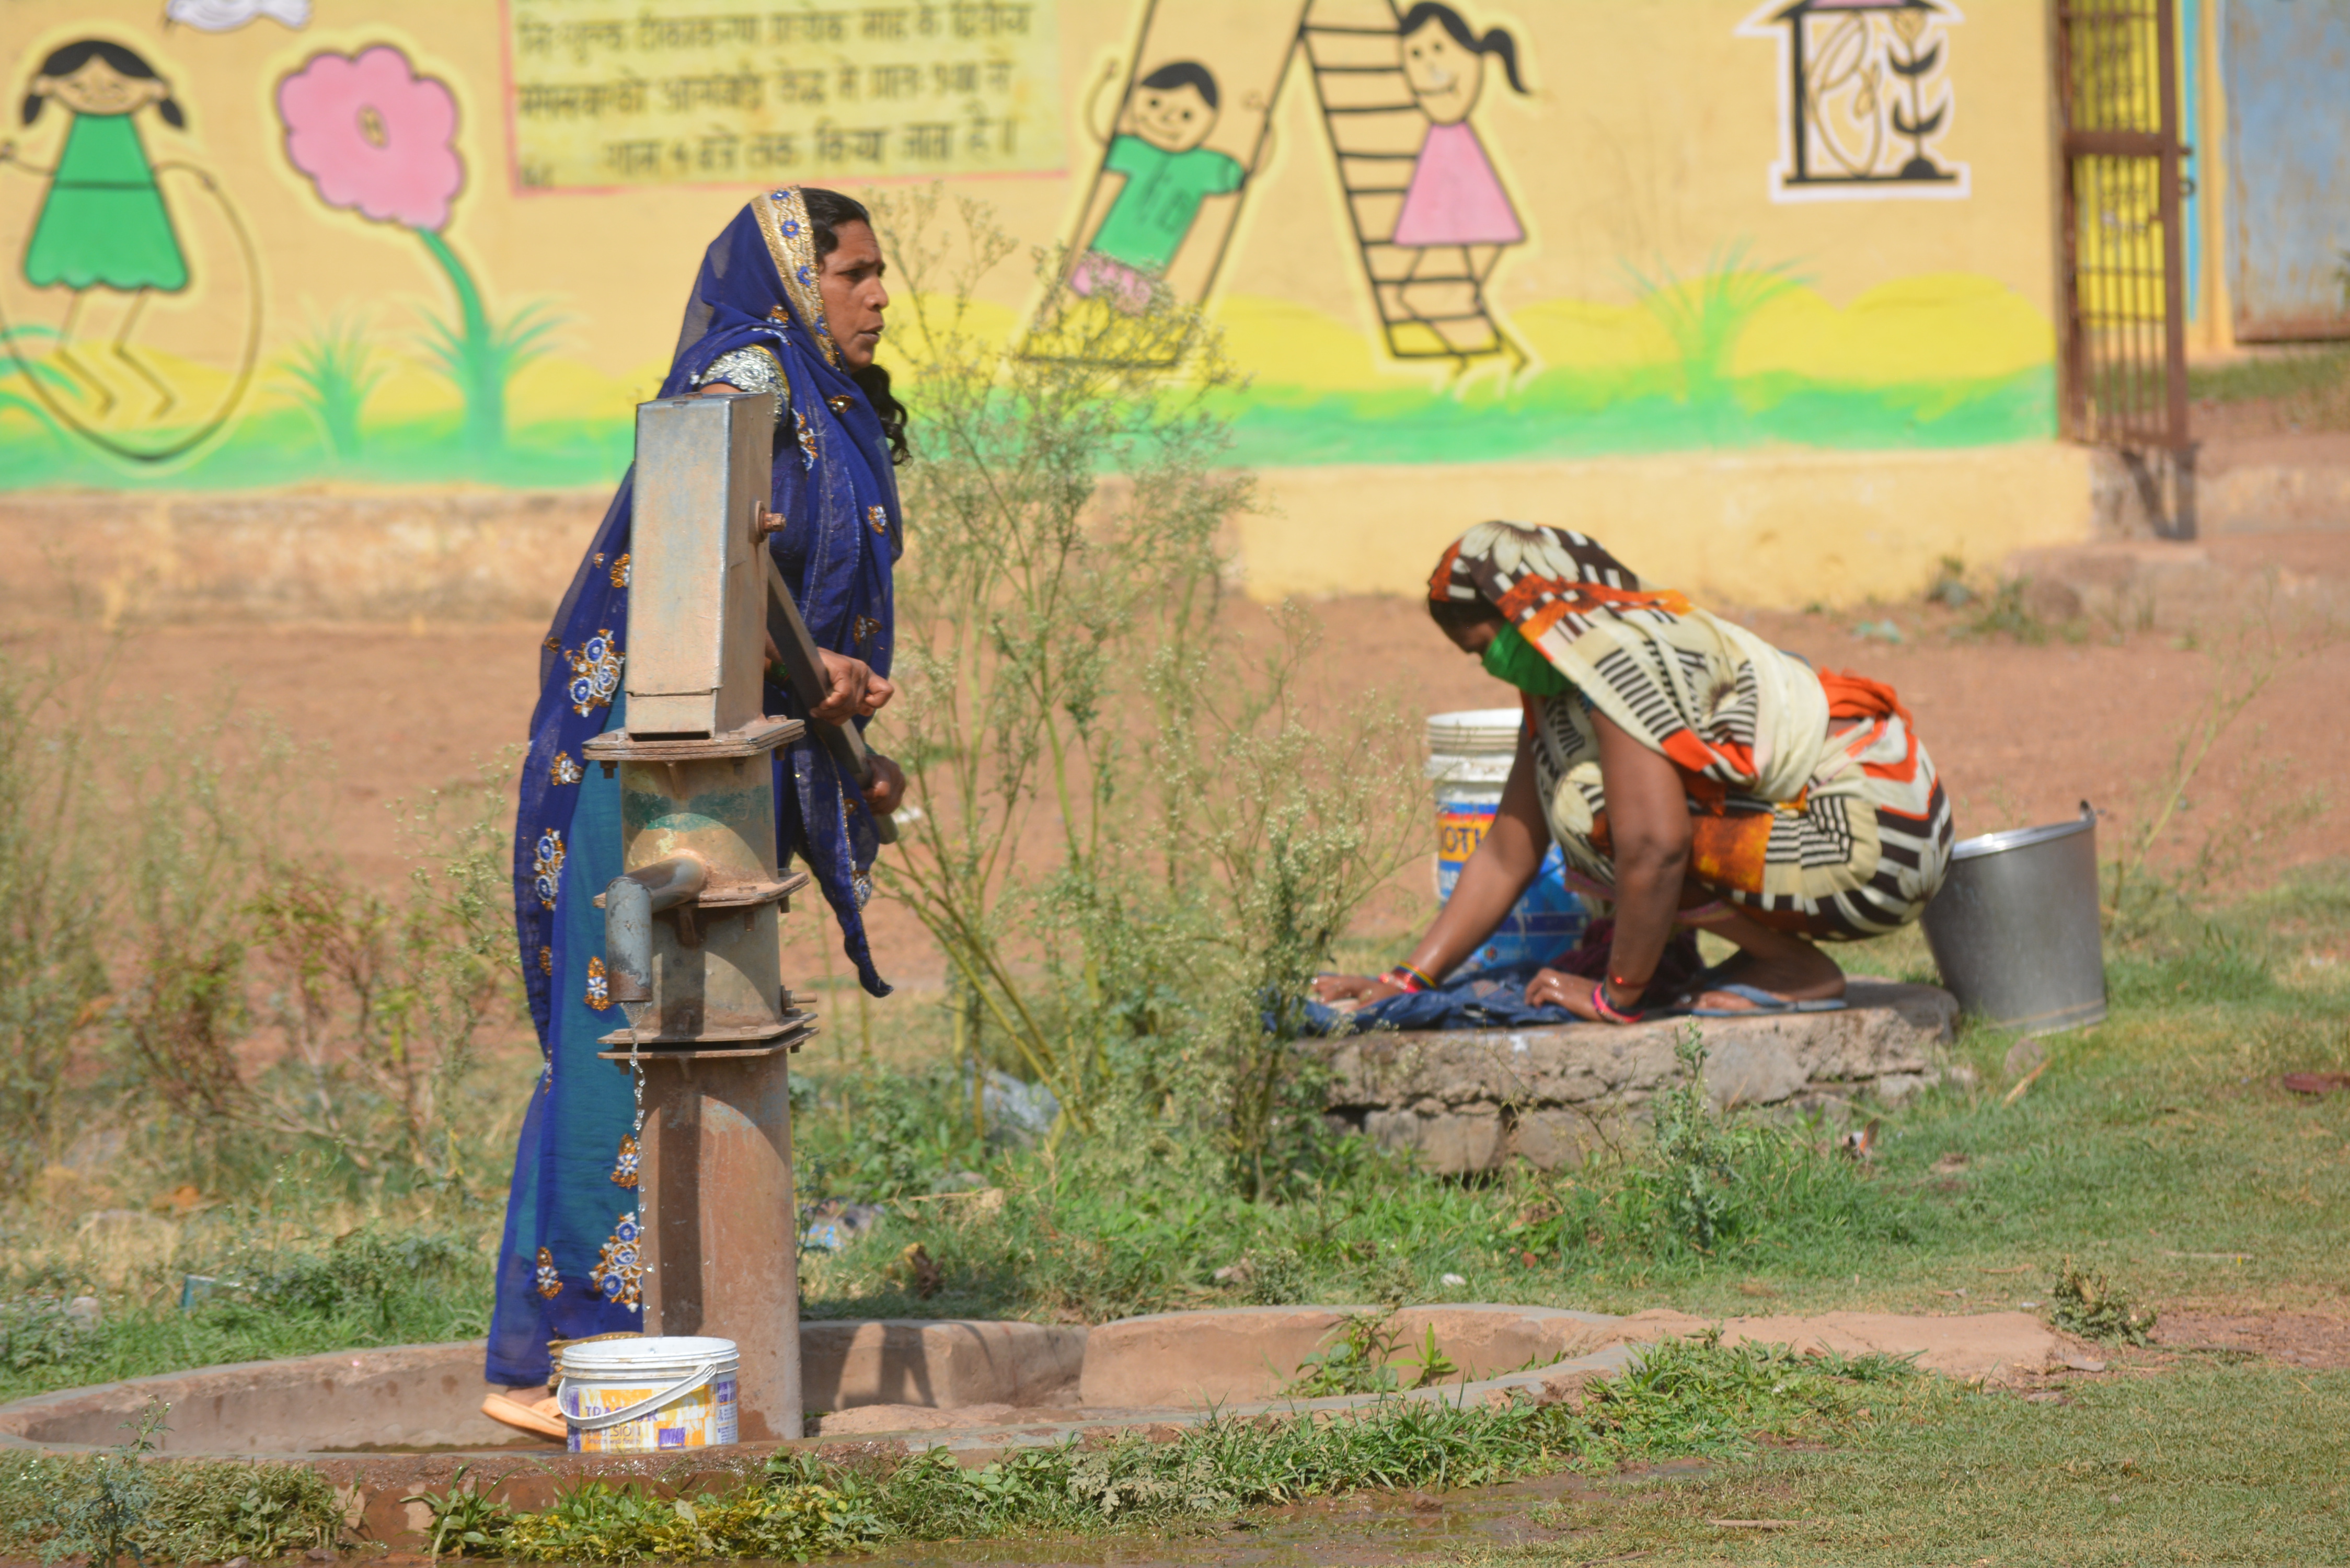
(1409, 978)
(1609, 1010)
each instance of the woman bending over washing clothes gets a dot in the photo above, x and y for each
(1692, 775)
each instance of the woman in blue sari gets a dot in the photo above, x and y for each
(789, 301)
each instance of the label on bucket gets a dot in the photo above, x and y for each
(1548, 920)
(702, 1418)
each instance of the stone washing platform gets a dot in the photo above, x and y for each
(1474, 1099)
(385, 1426)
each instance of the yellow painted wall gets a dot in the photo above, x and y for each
(1691, 345)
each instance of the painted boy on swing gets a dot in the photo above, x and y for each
(1167, 174)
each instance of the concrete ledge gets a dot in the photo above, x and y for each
(1474, 1099)
(1772, 527)
(1220, 1356)
(944, 1363)
(437, 555)
(413, 1397)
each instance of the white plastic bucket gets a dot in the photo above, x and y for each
(1469, 757)
(638, 1395)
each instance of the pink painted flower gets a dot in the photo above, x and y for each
(373, 135)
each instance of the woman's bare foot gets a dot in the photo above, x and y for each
(1805, 975)
(1778, 963)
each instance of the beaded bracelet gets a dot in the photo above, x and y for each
(1607, 1010)
(1409, 978)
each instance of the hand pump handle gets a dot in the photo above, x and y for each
(804, 666)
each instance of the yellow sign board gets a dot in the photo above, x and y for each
(607, 93)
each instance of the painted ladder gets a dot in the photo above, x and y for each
(1432, 305)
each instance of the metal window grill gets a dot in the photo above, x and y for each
(2125, 329)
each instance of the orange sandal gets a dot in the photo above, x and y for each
(543, 1419)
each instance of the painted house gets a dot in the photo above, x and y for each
(1775, 297)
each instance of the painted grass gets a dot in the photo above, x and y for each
(1560, 416)
(1557, 416)
(286, 445)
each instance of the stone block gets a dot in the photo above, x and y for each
(1554, 1139)
(1469, 1099)
(1752, 1066)
(1457, 1143)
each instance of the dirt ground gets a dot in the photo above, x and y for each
(2023, 732)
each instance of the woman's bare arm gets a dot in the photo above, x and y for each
(1494, 879)
(1648, 829)
(1648, 839)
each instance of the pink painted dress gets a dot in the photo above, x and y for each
(1455, 198)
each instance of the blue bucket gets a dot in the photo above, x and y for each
(1469, 758)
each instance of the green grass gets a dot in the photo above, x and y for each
(2193, 1465)
(2294, 374)
(2156, 1152)
(1695, 1398)
(303, 1297)
(181, 1512)
(2157, 1136)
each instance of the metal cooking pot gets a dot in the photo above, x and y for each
(2017, 931)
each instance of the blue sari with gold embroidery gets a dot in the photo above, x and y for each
(568, 1263)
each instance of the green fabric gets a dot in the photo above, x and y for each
(1511, 658)
(104, 223)
(1162, 197)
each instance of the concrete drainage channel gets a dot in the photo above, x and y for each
(385, 1425)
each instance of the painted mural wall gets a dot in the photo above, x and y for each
(295, 243)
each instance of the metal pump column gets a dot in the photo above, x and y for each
(691, 930)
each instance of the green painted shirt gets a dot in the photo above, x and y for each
(104, 223)
(1163, 190)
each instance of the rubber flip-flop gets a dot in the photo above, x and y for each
(542, 1417)
(1765, 1003)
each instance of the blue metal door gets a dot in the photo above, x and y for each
(2287, 67)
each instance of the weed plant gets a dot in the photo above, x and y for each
(105, 1507)
(227, 1059)
(2085, 1304)
(1686, 1398)
(1135, 846)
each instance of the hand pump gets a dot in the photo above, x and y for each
(691, 930)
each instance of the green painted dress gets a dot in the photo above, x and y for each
(104, 223)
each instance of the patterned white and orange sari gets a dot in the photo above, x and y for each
(1814, 808)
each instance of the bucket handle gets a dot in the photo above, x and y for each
(693, 1380)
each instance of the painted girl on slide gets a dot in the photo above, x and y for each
(1456, 216)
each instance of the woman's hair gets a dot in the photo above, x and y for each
(1460, 615)
(1495, 42)
(828, 212)
(73, 56)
